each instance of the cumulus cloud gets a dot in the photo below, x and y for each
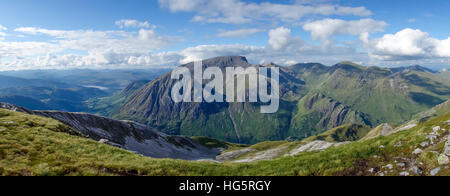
(22, 49)
(132, 24)
(409, 44)
(104, 49)
(239, 32)
(208, 51)
(119, 49)
(322, 30)
(181, 5)
(94, 60)
(282, 48)
(144, 40)
(239, 12)
(107, 50)
(281, 38)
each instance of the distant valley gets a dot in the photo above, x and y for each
(66, 90)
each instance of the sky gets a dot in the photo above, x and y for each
(122, 34)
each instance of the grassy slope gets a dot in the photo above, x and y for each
(39, 146)
(323, 110)
(344, 133)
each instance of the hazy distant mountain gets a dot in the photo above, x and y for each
(12, 82)
(65, 99)
(413, 68)
(111, 80)
(69, 90)
(27, 102)
(109, 105)
(314, 98)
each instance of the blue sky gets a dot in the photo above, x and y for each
(55, 34)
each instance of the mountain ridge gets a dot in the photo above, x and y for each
(360, 89)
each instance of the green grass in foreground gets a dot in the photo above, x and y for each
(31, 145)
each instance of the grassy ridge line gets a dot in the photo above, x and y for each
(31, 145)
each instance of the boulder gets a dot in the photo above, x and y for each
(415, 170)
(425, 144)
(389, 166)
(435, 171)
(437, 128)
(447, 148)
(404, 174)
(432, 138)
(103, 141)
(418, 151)
(443, 159)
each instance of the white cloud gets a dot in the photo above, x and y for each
(239, 32)
(119, 49)
(22, 49)
(181, 5)
(281, 38)
(282, 48)
(2, 28)
(94, 60)
(239, 12)
(322, 30)
(144, 40)
(409, 44)
(290, 62)
(442, 48)
(105, 49)
(133, 24)
(208, 51)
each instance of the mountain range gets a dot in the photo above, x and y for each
(314, 98)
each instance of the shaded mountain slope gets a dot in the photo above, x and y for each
(128, 135)
(25, 102)
(235, 122)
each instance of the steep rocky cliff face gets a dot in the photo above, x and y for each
(128, 135)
